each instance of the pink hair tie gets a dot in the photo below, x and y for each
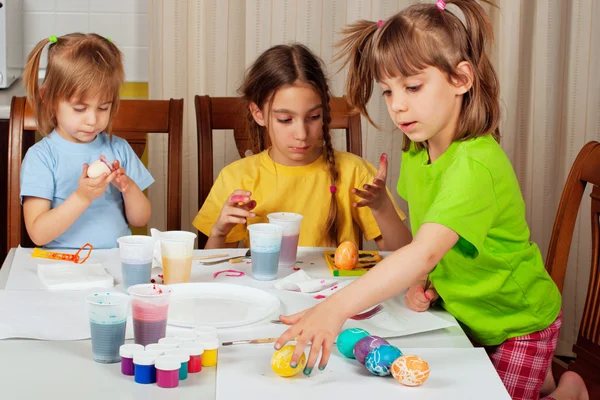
(441, 4)
(332, 189)
(380, 23)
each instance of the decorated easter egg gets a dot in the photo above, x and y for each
(348, 338)
(280, 362)
(410, 370)
(98, 168)
(365, 345)
(346, 256)
(380, 359)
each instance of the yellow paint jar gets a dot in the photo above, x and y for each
(211, 348)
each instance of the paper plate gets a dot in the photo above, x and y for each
(220, 305)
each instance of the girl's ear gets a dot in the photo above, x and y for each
(465, 81)
(257, 114)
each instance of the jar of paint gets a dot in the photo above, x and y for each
(170, 341)
(126, 352)
(167, 371)
(209, 358)
(184, 357)
(205, 333)
(196, 351)
(158, 347)
(144, 370)
(186, 336)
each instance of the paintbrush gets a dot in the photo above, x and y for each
(253, 341)
(210, 256)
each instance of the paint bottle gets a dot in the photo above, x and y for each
(170, 341)
(126, 352)
(186, 336)
(167, 371)
(205, 333)
(158, 347)
(209, 358)
(196, 351)
(144, 370)
(184, 357)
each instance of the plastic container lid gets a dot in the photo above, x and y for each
(146, 357)
(182, 354)
(211, 344)
(206, 330)
(195, 348)
(127, 350)
(170, 341)
(167, 363)
(186, 336)
(158, 347)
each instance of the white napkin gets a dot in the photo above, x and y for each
(59, 276)
(301, 282)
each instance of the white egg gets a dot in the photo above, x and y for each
(98, 168)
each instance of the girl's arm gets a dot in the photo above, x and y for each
(394, 233)
(137, 205)
(321, 324)
(218, 242)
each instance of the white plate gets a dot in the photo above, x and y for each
(221, 305)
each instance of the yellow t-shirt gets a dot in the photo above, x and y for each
(300, 189)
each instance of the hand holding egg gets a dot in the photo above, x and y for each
(93, 186)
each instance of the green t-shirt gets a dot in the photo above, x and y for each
(493, 280)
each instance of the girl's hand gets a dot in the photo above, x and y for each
(90, 189)
(122, 181)
(419, 300)
(319, 326)
(235, 211)
(375, 195)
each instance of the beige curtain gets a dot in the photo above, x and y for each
(547, 55)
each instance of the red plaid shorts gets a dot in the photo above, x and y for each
(522, 362)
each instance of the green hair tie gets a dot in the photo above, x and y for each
(109, 39)
(53, 39)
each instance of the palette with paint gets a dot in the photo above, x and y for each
(367, 259)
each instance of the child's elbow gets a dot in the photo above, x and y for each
(37, 238)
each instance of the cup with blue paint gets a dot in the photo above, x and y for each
(265, 246)
(136, 253)
(108, 318)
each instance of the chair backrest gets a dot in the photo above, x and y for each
(230, 113)
(134, 120)
(585, 170)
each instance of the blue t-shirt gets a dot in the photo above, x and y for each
(51, 170)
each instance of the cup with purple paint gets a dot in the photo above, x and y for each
(108, 319)
(265, 245)
(149, 308)
(136, 259)
(290, 222)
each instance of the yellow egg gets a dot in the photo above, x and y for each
(280, 362)
(346, 256)
(410, 370)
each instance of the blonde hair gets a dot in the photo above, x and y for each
(419, 36)
(79, 66)
(285, 65)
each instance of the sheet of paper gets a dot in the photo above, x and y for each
(46, 315)
(455, 374)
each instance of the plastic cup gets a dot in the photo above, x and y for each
(176, 249)
(290, 222)
(265, 245)
(149, 308)
(108, 319)
(136, 259)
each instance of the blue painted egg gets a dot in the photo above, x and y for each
(365, 345)
(380, 359)
(347, 339)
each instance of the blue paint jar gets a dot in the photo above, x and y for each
(184, 357)
(143, 365)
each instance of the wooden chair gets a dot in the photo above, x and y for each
(230, 113)
(133, 121)
(585, 169)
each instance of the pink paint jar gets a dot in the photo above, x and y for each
(196, 351)
(126, 352)
(167, 371)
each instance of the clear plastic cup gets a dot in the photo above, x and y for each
(265, 245)
(108, 319)
(136, 259)
(149, 308)
(290, 222)
(176, 250)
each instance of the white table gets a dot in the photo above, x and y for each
(35, 369)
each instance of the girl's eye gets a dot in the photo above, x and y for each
(103, 108)
(386, 92)
(79, 109)
(285, 121)
(413, 88)
(315, 117)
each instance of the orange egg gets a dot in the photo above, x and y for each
(346, 256)
(410, 370)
